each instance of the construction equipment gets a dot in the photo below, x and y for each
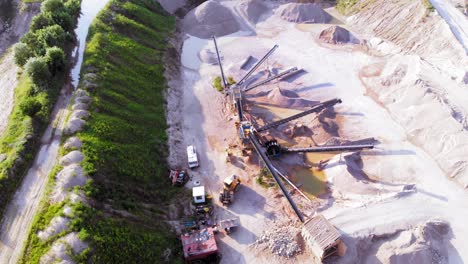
(178, 177)
(274, 149)
(230, 185)
(314, 109)
(229, 225)
(200, 246)
(273, 172)
(274, 77)
(192, 157)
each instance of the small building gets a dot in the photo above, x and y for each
(322, 237)
(200, 246)
(198, 194)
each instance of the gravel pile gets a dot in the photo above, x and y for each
(335, 35)
(253, 10)
(208, 19)
(281, 241)
(303, 13)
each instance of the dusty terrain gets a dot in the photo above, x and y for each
(8, 82)
(405, 201)
(13, 25)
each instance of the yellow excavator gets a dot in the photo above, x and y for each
(230, 185)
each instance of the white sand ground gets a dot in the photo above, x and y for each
(376, 207)
(8, 81)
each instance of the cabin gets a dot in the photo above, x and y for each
(322, 237)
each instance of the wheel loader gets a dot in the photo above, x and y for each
(230, 185)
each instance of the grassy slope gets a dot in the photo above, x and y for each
(124, 142)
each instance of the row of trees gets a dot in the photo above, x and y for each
(41, 50)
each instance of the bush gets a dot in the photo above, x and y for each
(55, 58)
(345, 6)
(38, 71)
(22, 53)
(30, 106)
(231, 80)
(217, 84)
(40, 21)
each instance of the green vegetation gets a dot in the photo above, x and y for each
(428, 5)
(346, 7)
(217, 84)
(265, 179)
(44, 74)
(124, 142)
(231, 80)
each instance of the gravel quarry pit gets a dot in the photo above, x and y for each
(383, 200)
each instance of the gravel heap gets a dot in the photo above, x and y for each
(303, 13)
(208, 19)
(253, 10)
(335, 35)
(281, 241)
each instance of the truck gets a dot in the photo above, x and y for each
(192, 157)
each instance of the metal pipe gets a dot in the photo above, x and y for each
(257, 65)
(330, 148)
(270, 167)
(219, 62)
(314, 109)
(279, 75)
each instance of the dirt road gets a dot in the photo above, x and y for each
(8, 83)
(23, 207)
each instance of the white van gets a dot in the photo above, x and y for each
(192, 157)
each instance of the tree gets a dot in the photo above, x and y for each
(22, 53)
(38, 71)
(55, 58)
(49, 37)
(40, 21)
(51, 6)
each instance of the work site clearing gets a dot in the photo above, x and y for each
(396, 193)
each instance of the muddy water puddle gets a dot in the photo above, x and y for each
(311, 180)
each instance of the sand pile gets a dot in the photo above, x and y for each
(281, 241)
(335, 35)
(57, 225)
(72, 143)
(285, 98)
(253, 10)
(66, 179)
(208, 19)
(73, 157)
(303, 13)
(64, 249)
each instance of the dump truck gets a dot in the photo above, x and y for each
(230, 185)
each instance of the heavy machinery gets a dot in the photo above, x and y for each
(230, 186)
(271, 148)
(178, 177)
